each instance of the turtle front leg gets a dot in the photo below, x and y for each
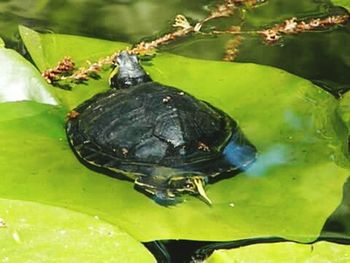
(156, 187)
(165, 198)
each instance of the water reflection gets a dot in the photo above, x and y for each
(293, 120)
(321, 57)
(338, 224)
(276, 155)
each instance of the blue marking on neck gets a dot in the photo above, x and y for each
(239, 155)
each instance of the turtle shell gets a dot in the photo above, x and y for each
(150, 125)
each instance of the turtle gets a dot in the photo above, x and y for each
(165, 140)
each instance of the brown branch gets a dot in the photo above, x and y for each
(225, 9)
(232, 51)
(65, 70)
(248, 3)
(64, 67)
(293, 26)
(83, 73)
(183, 28)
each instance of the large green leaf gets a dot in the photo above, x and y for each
(289, 192)
(29, 86)
(32, 232)
(284, 252)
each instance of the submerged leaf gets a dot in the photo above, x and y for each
(33, 232)
(289, 192)
(283, 252)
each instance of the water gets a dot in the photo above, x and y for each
(322, 57)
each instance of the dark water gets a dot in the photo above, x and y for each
(322, 57)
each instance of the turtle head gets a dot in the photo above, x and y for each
(166, 192)
(128, 72)
(193, 185)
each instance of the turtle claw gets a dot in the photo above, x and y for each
(165, 198)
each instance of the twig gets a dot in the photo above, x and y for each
(184, 28)
(232, 45)
(293, 26)
(64, 67)
(65, 70)
(83, 73)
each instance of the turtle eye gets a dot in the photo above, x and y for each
(188, 185)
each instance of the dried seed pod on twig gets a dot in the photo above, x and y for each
(293, 26)
(232, 45)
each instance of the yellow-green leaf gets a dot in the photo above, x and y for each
(32, 232)
(284, 252)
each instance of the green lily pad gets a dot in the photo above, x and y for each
(32, 232)
(343, 3)
(289, 192)
(30, 86)
(280, 252)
